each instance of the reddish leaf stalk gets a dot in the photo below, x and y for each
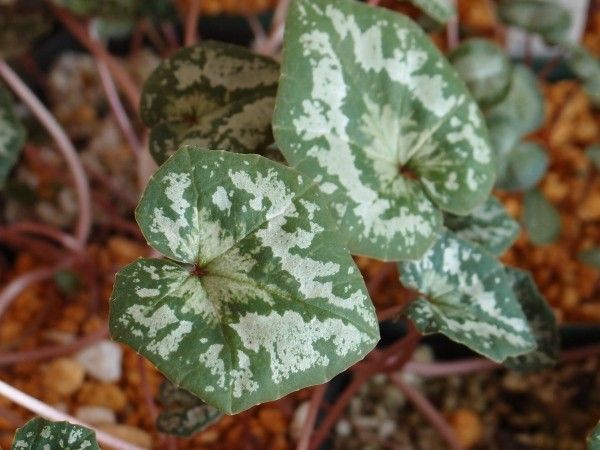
(311, 417)
(191, 23)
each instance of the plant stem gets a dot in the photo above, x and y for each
(191, 23)
(54, 351)
(122, 78)
(58, 236)
(452, 31)
(22, 282)
(42, 409)
(275, 39)
(429, 411)
(444, 369)
(311, 417)
(64, 145)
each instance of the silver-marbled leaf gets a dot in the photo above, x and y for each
(484, 67)
(42, 434)
(370, 109)
(523, 167)
(12, 136)
(488, 225)
(183, 414)
(541, 320)
(546, 18)
(441, 11)
(466, 295)
(213, 95)
(593, 439)
(524, 103)
(540, 218)
(260, 296)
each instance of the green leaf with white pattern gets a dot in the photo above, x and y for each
(466, 295)
(213, 95)
(524, 166)
(12, 136)
(485, 68)
(541, 320)
(540, 218)
(370, 109)
(488, 225)
(593, 440)
(41, 434)
(546, 18)
(183, 414)
(260, 297)
(441, 11)
(524, 103)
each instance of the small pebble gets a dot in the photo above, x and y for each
(64, 376)
(467, 427)
(102, 394)
(102, 361)
(298, 420)
(272, 419)
(127, 433)
(95, 415)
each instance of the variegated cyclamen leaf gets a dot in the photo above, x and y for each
(183, 414)
(593, 440)
(524, 103)
(488, 225)
(547, 18)
(540, 218)
(213, 95)
(485, 68)
(441, 11)
(541, 320)
(12, 136)
(466, 295)
(260, 297)
(523, 167)
(370, 109)
(41, 434)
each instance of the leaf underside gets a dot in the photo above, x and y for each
(41, 434)
(278, 303)
(369, 109)
(485, 68)
(488, 225)
(441, 11)
(467, 296)
(12, 136)
(213, 95)
(542, 322)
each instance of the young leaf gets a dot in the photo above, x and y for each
(441, 11)
(41, 434)
(524, 167)
(488, 225)
(540, 218)
(591, 257)
(524, 103)
(466, 295)
(593, 153)
(485, 68)
(593, 440)
(542, 322)
(12, 136)
(261, 297)
(213, 95)
(544, 17)
(183, 414)
(369, 108)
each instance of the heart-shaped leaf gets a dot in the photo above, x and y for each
(466, 295)
(540, 218)
(213, 95)
(593, 440)
(485, 68)
(183, 414)
(12, 136)
(547, 18)
(261, 298)
(591, 257)
(524, 167)
(370, 109)
(542, 322)
(441, 11)
(593, 153)
(41, 434)
(488, 225)
(524, 103)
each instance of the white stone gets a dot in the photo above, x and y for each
(95, 415)
(102, 361)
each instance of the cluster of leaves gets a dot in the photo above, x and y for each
(387, 156)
